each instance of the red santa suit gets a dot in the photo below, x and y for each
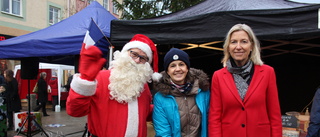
(108, 117)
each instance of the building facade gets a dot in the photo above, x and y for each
(19, 17)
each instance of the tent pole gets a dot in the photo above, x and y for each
(110, 55)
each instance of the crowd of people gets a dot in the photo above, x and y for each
(240, 101)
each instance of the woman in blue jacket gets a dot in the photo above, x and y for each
(182, 99)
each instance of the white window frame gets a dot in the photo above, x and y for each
(114, 9)
(10, 8)
(54, 15)
(106, 4)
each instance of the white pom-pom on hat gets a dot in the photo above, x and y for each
(156, 76)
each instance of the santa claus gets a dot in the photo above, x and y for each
(117, 101)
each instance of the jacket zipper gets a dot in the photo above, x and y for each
(188, 112)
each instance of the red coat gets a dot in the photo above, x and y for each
(107, 117)
(258, 115)
(53, 83)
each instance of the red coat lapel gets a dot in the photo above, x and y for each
(255, 82)
(228, 79)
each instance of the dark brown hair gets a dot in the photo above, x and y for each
(9, 75)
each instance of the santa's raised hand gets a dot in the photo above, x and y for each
(91, 62)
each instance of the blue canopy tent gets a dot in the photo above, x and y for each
(59, 43)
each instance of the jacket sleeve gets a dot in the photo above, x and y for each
(314, 126)
(79, 99)
(273, 105)
(160, 122)
(215, 109)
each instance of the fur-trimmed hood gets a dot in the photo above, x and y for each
(163, 84)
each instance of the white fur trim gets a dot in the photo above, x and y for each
(140, 45)
(83, 87)
(156, 76)
(133, 119)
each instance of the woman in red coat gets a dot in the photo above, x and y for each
(244, 95)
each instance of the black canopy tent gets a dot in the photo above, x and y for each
(275, 21)
(209, 6)
(289, 34)
(210, 20)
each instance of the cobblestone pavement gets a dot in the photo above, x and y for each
(58, 124)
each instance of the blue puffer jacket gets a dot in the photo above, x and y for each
(166, 116)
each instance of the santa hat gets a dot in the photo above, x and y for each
(147, 46)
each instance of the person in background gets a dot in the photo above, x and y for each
(2, 90)
(3, 66)
(244, 96)
(2, 81)
(182, 101)
(67, 86)
(42, 94)
(3, 110)
(3, 95)
(53, 87)
(12, 96)
(314, 125)
(117, 101)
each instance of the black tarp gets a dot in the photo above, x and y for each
(209, 6)
(209, 27)
(270, 19)
(289, 34)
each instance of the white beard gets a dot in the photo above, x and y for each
(127, 78)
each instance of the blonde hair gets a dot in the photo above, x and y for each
(255, 56)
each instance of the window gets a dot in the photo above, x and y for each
(114, 9)
(54, 15)
(106, 4)
(12, 7)
(90, 1)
